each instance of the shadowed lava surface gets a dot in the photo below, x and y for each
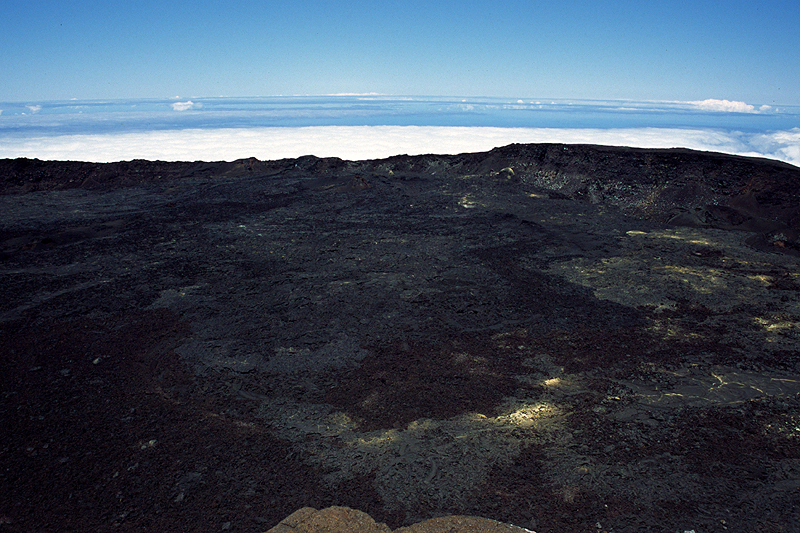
(567, 338)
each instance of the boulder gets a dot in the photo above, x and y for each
(346, 520)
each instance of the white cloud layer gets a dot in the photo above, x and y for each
(374, 142)
(727, 106)
(183, 106)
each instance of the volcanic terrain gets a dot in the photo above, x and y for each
(561, 337)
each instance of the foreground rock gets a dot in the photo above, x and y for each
(346, 520)
(491, 335)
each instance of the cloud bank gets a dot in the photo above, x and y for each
(375, 142)
(183, 106)
(727, 106)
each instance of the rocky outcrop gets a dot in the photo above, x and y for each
(678, 186)
(346, 520)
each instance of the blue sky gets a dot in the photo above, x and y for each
(644, 50)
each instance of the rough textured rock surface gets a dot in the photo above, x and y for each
(330, 520)
(563, 338)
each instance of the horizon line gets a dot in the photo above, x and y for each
(538, 100)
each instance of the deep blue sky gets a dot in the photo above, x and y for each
(642, 50)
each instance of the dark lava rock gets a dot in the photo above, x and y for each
(678, 186)
(563, 337)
